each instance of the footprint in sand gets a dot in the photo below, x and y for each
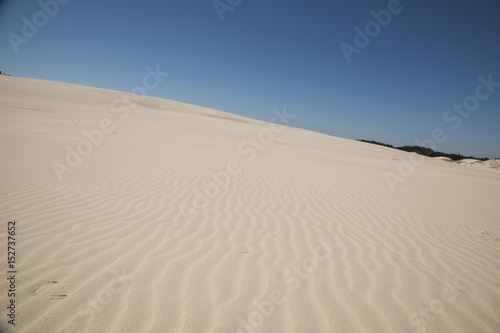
(39, 287)
(486, 236)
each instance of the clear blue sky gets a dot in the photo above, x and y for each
(267, 54)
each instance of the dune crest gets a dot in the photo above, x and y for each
(493, 165)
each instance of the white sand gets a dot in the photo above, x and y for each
(108, 250)
(492, 165)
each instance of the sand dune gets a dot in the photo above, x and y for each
(493, 165)
(176, 220)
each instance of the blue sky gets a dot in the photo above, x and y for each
(268, 54)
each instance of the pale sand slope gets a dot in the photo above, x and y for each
(493, 165)
(424, 258)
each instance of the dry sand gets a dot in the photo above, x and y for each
(493, 165)
(304, 234)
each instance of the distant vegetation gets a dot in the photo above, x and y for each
(425, 151)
